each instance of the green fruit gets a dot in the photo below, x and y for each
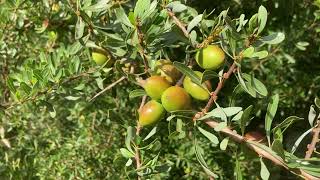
(196, 91)
(175, 98)
(212, 57)
(166, 69)
(150, 113)
(99, 58)
(155, 86)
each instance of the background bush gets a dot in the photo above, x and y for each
(52, 131)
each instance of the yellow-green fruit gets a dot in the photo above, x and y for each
(166, 69)
(150, 113)
(196, 91)
(155, 86)
(175, 98)
(212, 57)
(99, 58)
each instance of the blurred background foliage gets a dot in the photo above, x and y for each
(63, 136)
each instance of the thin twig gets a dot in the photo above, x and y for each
(108, 87)
(315, 139)
(178, 23)
(261, 152)
(142, 45)
(137, 153)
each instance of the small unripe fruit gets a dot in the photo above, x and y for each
(212, 57)
(99, 58)
(166, 69)
(151, 113)
(175, 98)
(155, 86)
(196, 91)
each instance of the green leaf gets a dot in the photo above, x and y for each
(72, 98)
(245, 118)
(10, 85)
(260, 54)
(237, 117)
(151, 133)
(312, 116)
(262, 18)
(141, 7)
(271, 112)
(101, 5)
(137, 93)
(79, 28)
(317, 102)
(202, 161)
(176, 6)
(188, 72)
(26, 88)
(230, 111)
(129, 162)
(248, 53)
(239, 175)
(220, 126)
(194, 22)
(215, 113)
(130, 135)
(298, 141)
(224, 144)
(287, 122)
(274, 38)
(256, 84)
(278, 148)
(264, 172)
(209, 135)
(125, 153)
(122, 17)
(207, 75)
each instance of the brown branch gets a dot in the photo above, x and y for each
(108, 87)
(178, 23)
(214, 94)
(142, 45)
(137, 153)
(315, 139)
(261, 152)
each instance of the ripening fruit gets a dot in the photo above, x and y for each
(196, 91)
(99, 58)
(175, 98)
(166, 69)
(151, 113)
(155, 86)
(212, 57)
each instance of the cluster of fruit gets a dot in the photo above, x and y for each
(169, 97)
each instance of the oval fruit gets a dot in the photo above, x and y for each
(151, 113)
(212, 57)
(155, 86)
(166, 69)
(175, 98)
(99, 58)
(196, 91)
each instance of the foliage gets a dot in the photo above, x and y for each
(55, 123)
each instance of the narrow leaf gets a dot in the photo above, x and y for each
(209, 135)
(271, 112)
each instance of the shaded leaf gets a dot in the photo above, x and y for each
(137, 93)
(245, 118)
(271, 112)
(209, 135)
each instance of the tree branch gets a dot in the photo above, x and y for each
(178, 23)
(315, 139)
(137, 153)
(108, 87)
(214, 94)
(261, 152)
